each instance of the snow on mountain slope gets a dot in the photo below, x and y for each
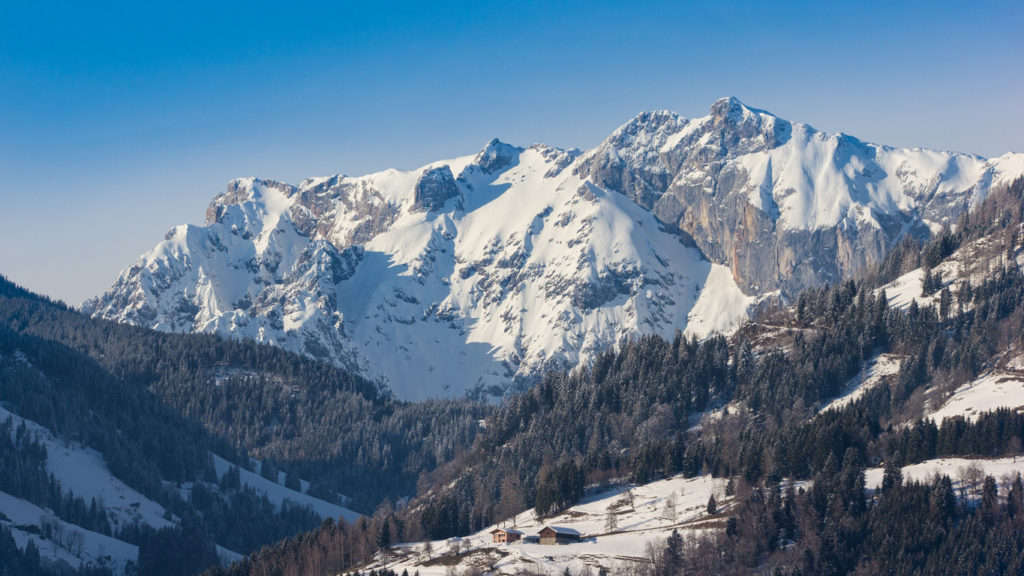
(69, 543)
(783, 205)
(278, 493)
(621, 549)
(875, 372)
(469, 274)
(972, 262)
(986, 393)
(84, 472)
(437, 285)
(646, 518)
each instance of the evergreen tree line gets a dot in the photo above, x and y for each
(237, 516)
(836, 527)
(15, 561)
(23, 462)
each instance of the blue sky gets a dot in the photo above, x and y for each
(120, 120)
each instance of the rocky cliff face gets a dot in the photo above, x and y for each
(784, 206)
(469, 274)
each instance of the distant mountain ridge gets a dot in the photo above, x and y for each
(470, 273)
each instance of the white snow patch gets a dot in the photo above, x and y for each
(721, 307)
(998, 468)
(872, 374)
(984, 394)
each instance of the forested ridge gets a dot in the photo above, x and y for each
(157, 406)
(343, 432)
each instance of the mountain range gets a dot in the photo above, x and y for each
(478, 273)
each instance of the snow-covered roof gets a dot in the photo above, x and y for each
(562, 530)
(508, 531)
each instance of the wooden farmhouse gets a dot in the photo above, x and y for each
(505, 536)
(558, 535)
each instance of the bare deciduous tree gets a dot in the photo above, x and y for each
(669, 513)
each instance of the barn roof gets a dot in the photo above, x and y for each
(562, 530)
(507, 531)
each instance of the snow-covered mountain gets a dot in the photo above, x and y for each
(469, 273)
(783, 205)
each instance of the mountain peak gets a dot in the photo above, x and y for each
(727, 102)
(496, 155)
(731, 108)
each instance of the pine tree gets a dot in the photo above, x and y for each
(945, 302)
(672, 557)
(893, 475)
(611, 523)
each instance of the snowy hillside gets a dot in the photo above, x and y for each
(1002, 386)
(84, 473)
(986, 393)
(648, 515)
(971, 263)
(468, 274)
(277, 492)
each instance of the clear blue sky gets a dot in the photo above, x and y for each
(120, 120)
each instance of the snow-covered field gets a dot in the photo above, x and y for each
(974, 261)
(986, 393)
(1002, 469)
(84, 472)
(1003, 385)
(646, 518)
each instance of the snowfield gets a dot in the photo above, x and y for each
(70, 543)
(973, 262)
(1003, 385)
(84, 472)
